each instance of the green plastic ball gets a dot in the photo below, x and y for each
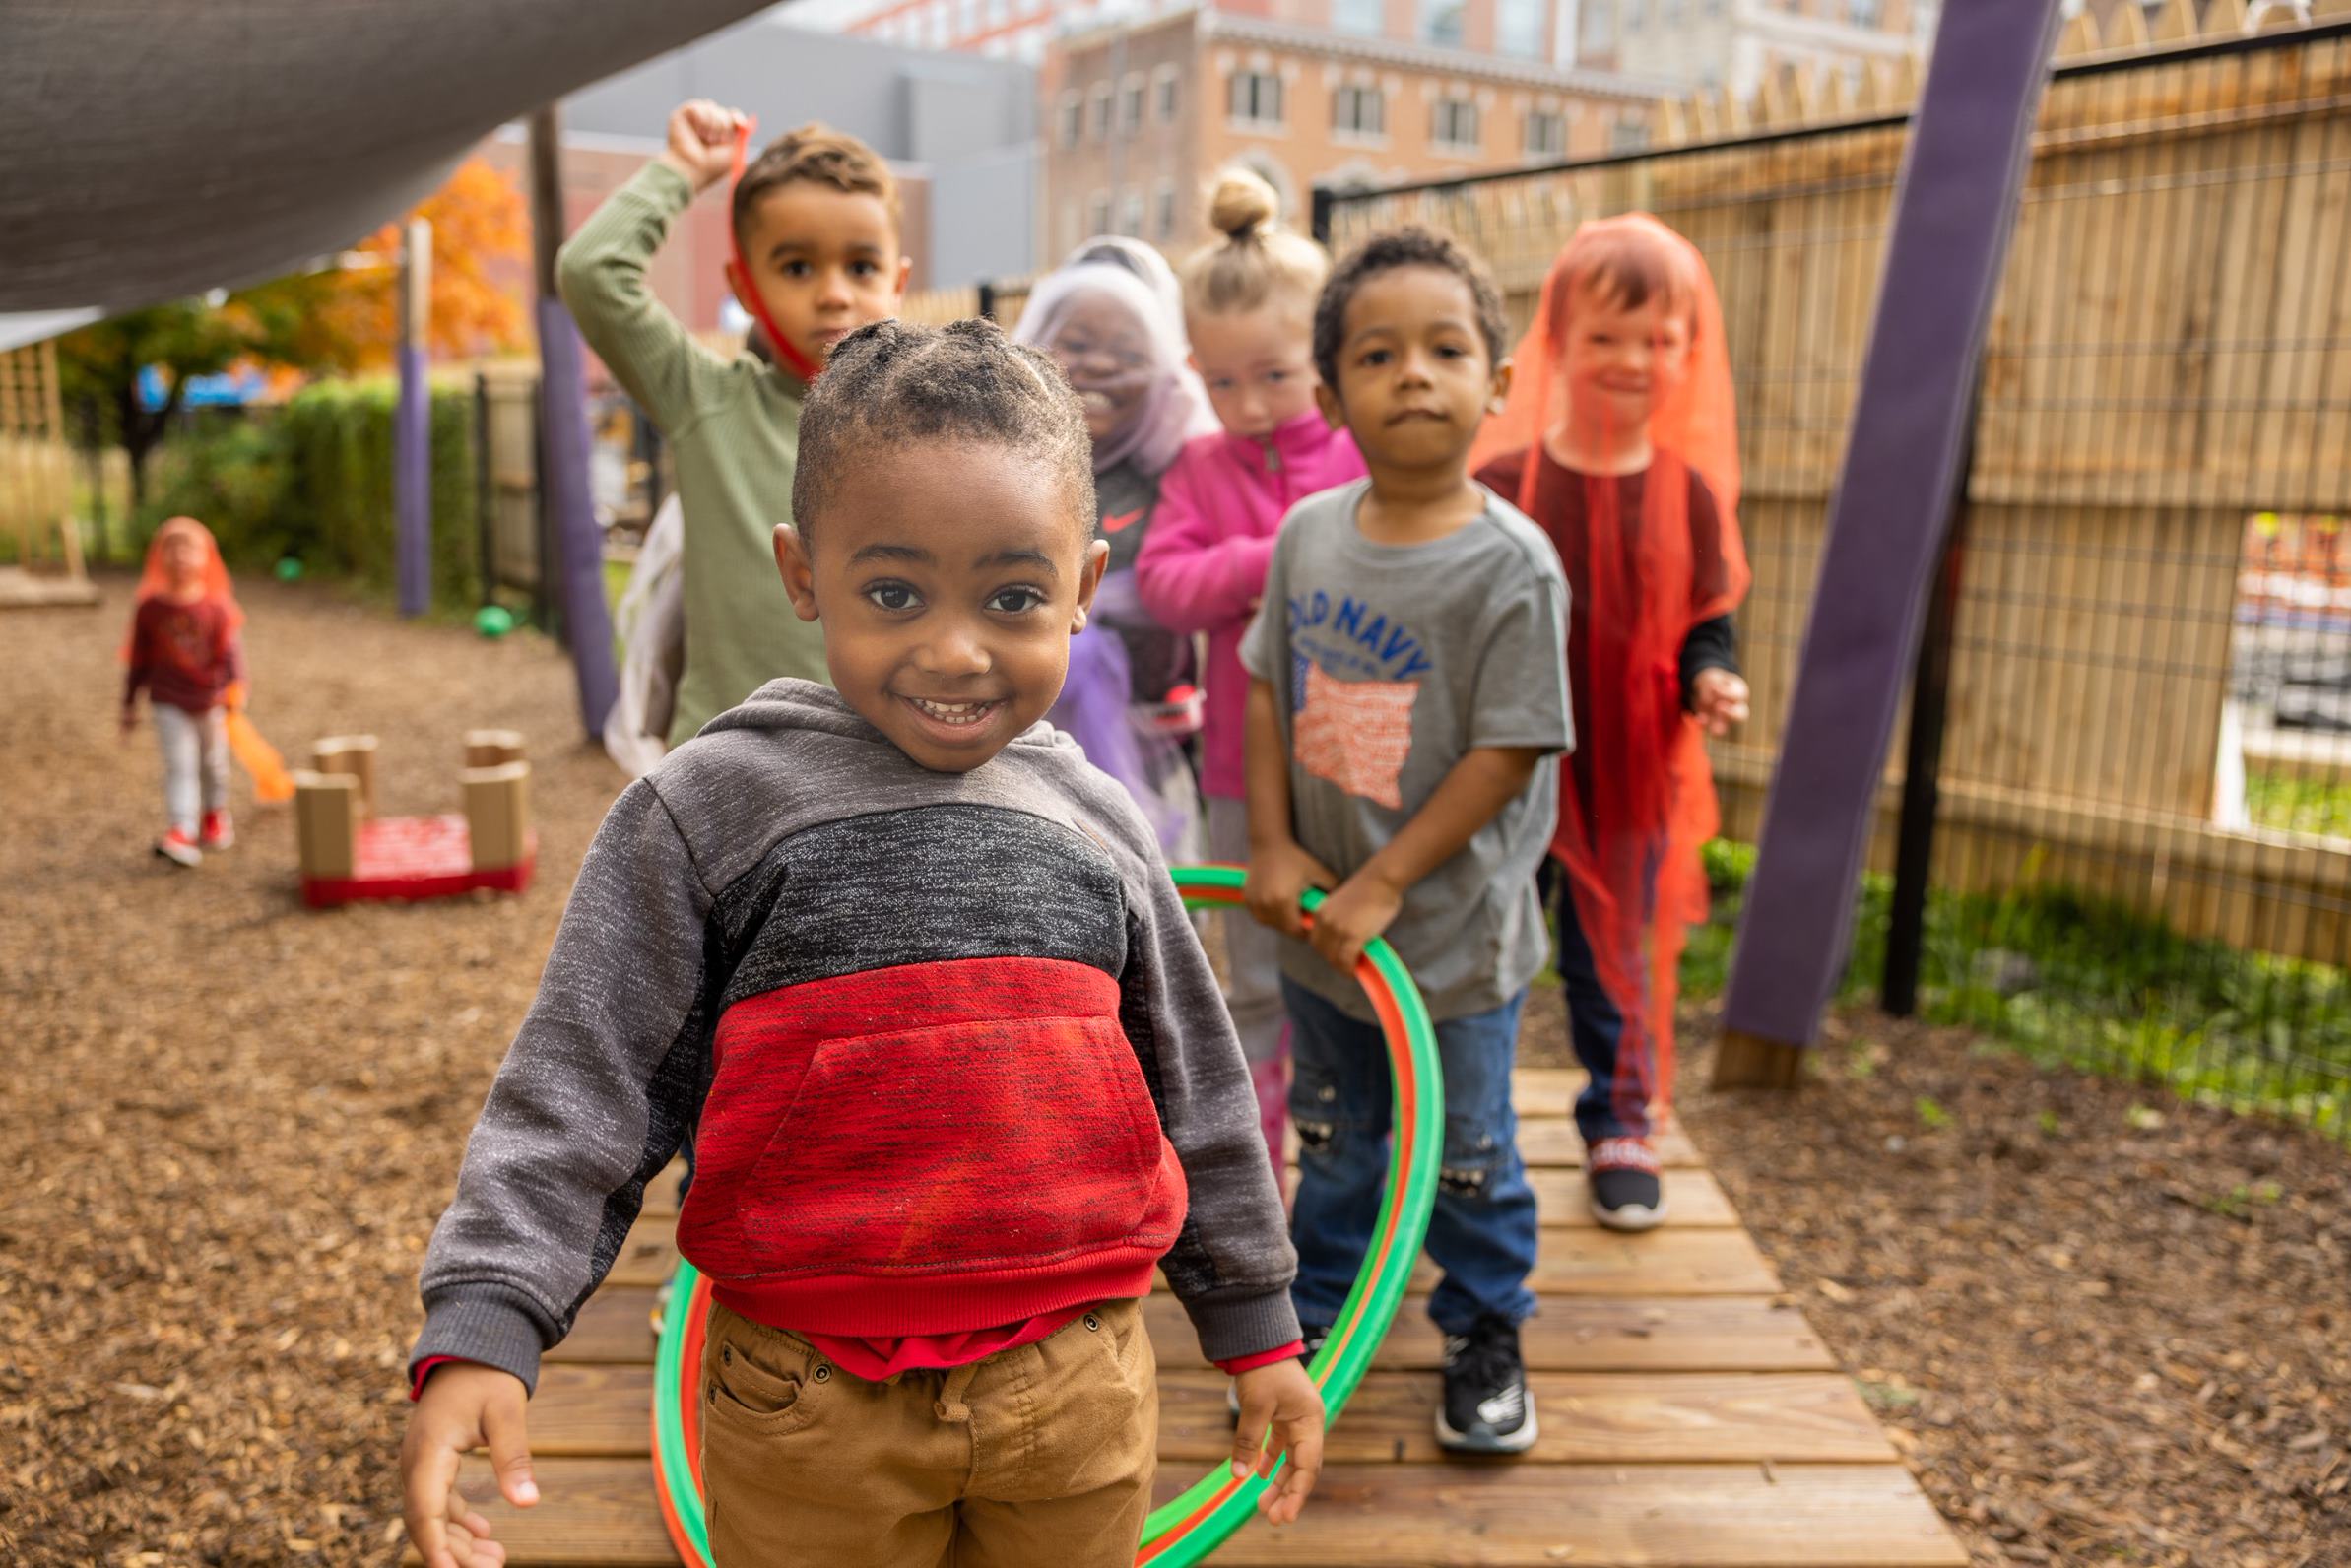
(493, 620)
(289, 567)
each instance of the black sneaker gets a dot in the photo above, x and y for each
(1487, 1408)
(1627, 1191)
(1314, 1334)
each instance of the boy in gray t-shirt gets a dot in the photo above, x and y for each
(1406, 720)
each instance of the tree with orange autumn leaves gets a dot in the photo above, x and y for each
(331, 319)
(481, 250)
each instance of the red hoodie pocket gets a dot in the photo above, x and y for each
(969, 1140)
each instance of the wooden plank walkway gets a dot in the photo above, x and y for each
(1690, 1417)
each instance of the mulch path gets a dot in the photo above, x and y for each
(2118, 1333)
(230, 1122)
(2101, 1325)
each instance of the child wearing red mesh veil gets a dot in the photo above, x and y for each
(1620, 441)
(184, 652)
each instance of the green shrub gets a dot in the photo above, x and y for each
(314, 480)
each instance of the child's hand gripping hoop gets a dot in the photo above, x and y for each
(1186, 1529)
(739, 271)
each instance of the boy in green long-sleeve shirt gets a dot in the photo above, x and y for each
(816, 219)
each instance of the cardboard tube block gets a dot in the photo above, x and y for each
(354, 754)
(498, 814)
(492, 748)
(326, 817)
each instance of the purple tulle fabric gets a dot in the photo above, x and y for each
(1097, 710)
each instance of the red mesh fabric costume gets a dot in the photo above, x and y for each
(155, 582)
(1643, 581)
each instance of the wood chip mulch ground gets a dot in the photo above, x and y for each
(2103, 1326)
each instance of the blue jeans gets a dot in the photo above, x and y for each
(1342, 1094)
(1596, 1027)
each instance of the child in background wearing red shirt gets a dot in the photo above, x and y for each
(184, 652)
(1620, 441)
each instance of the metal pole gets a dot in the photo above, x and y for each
(1326, 200)
(412, 427)
(484, 491)
(1923, 767)
(987, 294)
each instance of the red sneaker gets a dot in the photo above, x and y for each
(178, 848)
(219, 832)
(1624, 1175)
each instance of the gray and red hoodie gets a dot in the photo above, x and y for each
(951, 1050)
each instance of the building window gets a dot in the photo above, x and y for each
(1130, 215)
(1441, 23)
(999, 13)
(1364, 18)
(1454, 124)
(1167, 211)
(1546, 134)
(1097, 213)
(1358, 111)
(1866, 13)
(1631, 133)
(1072, 119)
(1167, 94)
(1254, 99)
(1102, 113)
(1132, 103)
(1519, 28)
(971, 17)
(1636, 15)
(1600, 24)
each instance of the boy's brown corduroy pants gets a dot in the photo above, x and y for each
(1039, 1456)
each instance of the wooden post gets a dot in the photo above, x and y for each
(1749, 1062)
(498, 814)
(326, 822)
(354, 754)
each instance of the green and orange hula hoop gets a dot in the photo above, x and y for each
(1187, 1529)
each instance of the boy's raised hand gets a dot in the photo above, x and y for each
(1283, 1398)
(464, 1407)
(702, 142)
(1279, 873)
(1719, 699)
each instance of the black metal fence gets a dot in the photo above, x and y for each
(2140, 750)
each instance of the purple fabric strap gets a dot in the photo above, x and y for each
(1971, 142)
(579, 548)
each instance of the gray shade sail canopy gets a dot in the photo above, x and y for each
(151, 151)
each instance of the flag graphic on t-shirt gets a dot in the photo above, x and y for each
(1355, 734)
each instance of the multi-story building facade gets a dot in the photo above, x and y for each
(1525, 30)
(1141, 112)
(1701, 45)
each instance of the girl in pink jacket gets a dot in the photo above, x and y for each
(1249, 311)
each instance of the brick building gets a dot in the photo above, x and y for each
(1141, 112)
(1703, 45)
